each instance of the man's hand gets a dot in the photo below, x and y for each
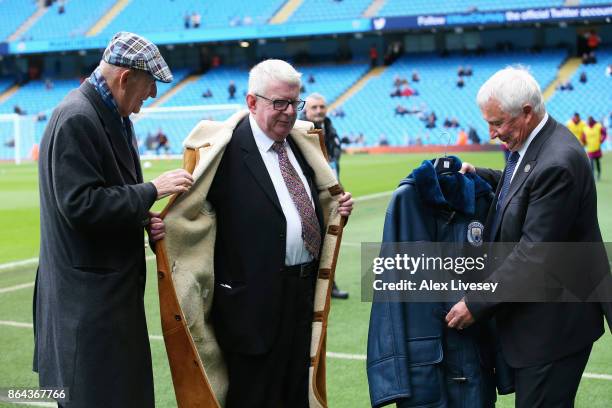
(173, 181)
(459, 317)
(346, 204)
(156, 228)
(467, 168)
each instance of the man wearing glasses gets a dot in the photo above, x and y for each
(268, 241)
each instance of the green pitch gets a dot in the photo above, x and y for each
(363, 175)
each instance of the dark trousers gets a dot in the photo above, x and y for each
(551, 385)
(278, 378)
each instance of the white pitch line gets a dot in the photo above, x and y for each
(17, 287)
(345, 356)
(598, 376)
(330, 354)
(31, 403)
(33, 261)
(351, 244)
(372, 196)
(25, 262)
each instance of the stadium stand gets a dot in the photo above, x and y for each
(320, 10)
(438, 92)
(590, 99)
(13, 13)
(77, 18)
(330, 80)
(234, 12)
(413, 7)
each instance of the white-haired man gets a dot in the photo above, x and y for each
(545, 194)
(268, 239)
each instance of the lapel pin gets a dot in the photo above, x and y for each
(527, 168)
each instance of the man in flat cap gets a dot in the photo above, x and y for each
(89, 321)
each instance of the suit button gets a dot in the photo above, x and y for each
(282, 235)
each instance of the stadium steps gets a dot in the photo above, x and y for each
(357, 86)
(373, 8)
(8, 93)
(565, 73)
(41, 11)
(175, 89)
(107, 18)
(286, 11)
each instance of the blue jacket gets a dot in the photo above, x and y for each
(413, 359)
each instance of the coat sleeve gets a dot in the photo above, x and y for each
(84, 197)
(523, 270)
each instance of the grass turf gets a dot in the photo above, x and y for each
(347, 383)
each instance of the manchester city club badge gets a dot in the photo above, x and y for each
(474, 233)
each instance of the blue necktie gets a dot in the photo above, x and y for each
(510, 165)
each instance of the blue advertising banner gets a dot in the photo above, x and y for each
(492, 17)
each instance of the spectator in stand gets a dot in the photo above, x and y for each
(460, 71)
(150, 142)
(431, 121)
(311, 79)
(196, 19)
(401, 110)
(373, 56)
(593, 40)
(473, 136)
(460, 82)
(446, 123)
(468, 71)
(593, 136)
(17, 109)
(187, 20)
(407, 91)
(61, 7)
(382, 140)
(397, 92)
(338, 112)
(48, 84)
(462, 138)
(207, 94)
(583, 77)
(565, 86)
(162, 142)
(415, 76)
(576, 126)
(231, 90)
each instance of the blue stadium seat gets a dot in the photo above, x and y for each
(371, 111)
(135, 17)
(13, 13)
(590, 99)
(78, 18)
(318, 10)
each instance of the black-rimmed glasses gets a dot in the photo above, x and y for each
(283, 104)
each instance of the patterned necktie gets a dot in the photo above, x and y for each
(510, 165)
(311, 232)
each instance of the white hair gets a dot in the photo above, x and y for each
(317, 96)
(512, 88)
(272, 70)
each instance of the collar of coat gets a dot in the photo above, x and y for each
(451, 190)
(210, 138)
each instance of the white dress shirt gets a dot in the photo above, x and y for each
(296, 252)
(525, 145)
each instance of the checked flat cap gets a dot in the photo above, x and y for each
(130, 50)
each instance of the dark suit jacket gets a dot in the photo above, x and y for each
(89, 319)
(552, 198)
(249, 246)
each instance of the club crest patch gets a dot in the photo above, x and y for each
(474, 233)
